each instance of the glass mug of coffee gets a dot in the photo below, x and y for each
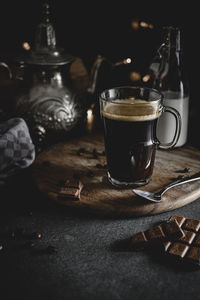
(129, 116)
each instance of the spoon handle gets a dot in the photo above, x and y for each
(193, 177)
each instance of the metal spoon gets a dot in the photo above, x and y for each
(157, 197)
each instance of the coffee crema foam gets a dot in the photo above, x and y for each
(129, 110)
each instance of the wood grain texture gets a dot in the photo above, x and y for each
(98, 196)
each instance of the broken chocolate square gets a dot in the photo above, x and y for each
(71, 190)
(168, 230)
(187, 248)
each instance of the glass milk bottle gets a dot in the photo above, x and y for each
(168, 76)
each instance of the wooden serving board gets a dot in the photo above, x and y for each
(61, 161)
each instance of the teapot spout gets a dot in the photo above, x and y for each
(101, 76)
(101, 66)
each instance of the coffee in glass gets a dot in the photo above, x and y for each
(130, 117)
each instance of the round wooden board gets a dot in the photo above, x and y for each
(61, 161)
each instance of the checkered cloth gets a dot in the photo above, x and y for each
(16, 148)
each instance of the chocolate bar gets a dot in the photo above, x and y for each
(187, 248)
(70, 190)
(168, 230)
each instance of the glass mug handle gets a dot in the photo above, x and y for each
(177, 116)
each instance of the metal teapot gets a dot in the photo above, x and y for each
(48, 100)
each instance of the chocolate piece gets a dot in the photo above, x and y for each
(192, 224)
(185, 249)
(168, 230)
(179, 219)
(70, 190)
(193, 255)
(178, 249)
(188, 238)
(139, 240)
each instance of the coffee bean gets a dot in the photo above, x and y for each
(176, 178)
(185, 170)
(51, 249)
(80, 151)
(90, 174)
(100, 166)
(36, 235)
(94, 153)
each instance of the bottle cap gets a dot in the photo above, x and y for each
(172, 37)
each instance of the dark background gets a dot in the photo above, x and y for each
(89, 263)
(86, 29)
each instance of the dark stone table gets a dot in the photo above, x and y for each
(51, 252)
